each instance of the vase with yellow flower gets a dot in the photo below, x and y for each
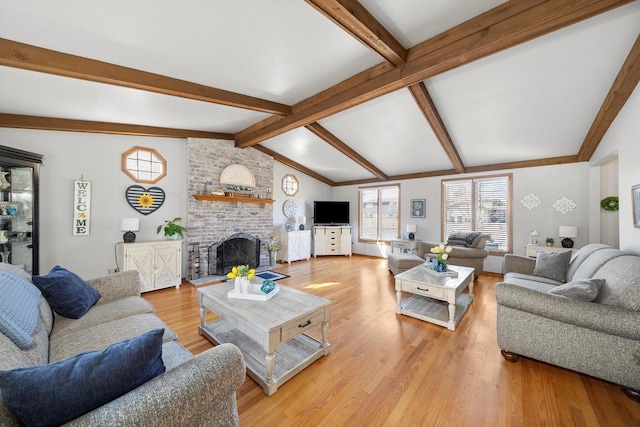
(441, 253)
(242, 275)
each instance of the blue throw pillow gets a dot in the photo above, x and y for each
(19, 301)
(66, 292)
(53, 394)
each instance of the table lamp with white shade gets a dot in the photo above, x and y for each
(532, 237)
(129, 225)
(411, 231)
(568, 232)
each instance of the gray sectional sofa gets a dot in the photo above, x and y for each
(194, 390)
(588, 321)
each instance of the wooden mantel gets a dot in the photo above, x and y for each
(211, 198)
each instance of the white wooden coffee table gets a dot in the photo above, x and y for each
(270, 333)
(435, 299)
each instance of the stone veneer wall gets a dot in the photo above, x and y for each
(210, 222)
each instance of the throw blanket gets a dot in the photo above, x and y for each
(463, 238)
(19, 302)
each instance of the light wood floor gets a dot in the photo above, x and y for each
(391, 370)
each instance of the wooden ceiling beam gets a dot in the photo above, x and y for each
(472, 169)
(33, 58)
(336, 143)
(357, 21)
(294, 165)
(68, 125)
(622, 88)
(428, 108)
(500, 28)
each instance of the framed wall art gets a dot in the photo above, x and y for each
(635, 198)
(418, 208)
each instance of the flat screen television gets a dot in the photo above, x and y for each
(330, 213)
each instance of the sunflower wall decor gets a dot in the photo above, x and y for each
(144, 200)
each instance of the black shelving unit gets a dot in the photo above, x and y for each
(19, 208)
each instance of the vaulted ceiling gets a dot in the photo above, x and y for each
(348, 92)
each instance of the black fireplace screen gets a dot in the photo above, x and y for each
(238, 249)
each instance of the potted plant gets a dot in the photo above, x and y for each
(550, 241)
(171, 229)
(273, 246)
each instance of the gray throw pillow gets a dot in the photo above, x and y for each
(585, 289)
(552, 265)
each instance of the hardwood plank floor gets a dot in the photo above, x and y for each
(389, 370)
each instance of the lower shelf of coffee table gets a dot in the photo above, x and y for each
(435, 311)
(291, 357)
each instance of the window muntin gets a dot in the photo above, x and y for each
(144, 165)
(290, 185)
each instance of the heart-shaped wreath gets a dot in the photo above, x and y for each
(609, 203)
(145, 200)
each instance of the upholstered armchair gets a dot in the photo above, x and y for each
(468, 249)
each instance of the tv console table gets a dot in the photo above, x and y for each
(331, 240)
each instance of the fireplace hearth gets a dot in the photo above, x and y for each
(237, 249)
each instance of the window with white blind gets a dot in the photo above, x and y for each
(379, 213)
(479, 204)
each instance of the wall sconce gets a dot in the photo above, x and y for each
(532, 237)
(569, 232)
(411, 231)
(129, 225)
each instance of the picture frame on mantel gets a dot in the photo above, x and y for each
(418, 208)
(635, 198)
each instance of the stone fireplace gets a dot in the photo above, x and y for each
(211, 222)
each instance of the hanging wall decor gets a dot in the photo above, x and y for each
(564, 205)
(145, 200)
(418, 208)
(531, 201)
(81, 207)
(610, 203)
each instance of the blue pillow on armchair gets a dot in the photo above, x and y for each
(66, 292)
(53, 394)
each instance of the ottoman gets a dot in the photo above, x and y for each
(399, 262)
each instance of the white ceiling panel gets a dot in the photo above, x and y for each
(392, 133)
(412, 22)
(539, 99)
(534, 101)
(280, 50)
(38, 94)
(304, 147)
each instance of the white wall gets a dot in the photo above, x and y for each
(310, 189)
(550, 183)
(609, 220)
(623, 139)
(69, 156)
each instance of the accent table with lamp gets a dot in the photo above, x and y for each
(405, 245)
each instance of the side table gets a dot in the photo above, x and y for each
(531, 250)
(405, 245)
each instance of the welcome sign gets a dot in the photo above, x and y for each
(81, 207)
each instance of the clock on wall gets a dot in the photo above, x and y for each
(290, 209)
